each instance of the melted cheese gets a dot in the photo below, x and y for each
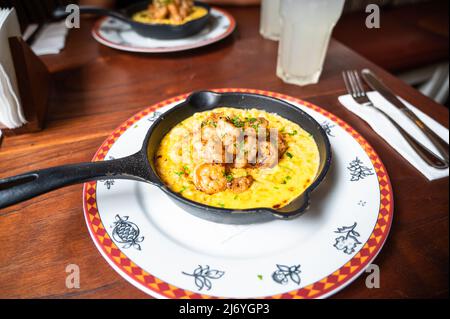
(272, 187)
(144, 17)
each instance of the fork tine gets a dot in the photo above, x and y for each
(359, 83)
(354, 84)
(347, 83)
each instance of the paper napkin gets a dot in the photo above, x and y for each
(51, 39)
(390, 134)
(11, 113)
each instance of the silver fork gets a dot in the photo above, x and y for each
(355, 88)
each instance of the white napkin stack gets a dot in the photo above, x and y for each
(390, 134)
(11, 113)
(51, 39)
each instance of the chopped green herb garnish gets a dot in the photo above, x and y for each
(236, 197)
(289, 155)
(276, 187)
(293, 133)
(229, 177)
(236, 121)
(211, 123)
(286, 179)
(185, 171)
(183, 189)
(221, 205)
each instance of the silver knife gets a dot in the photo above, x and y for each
(376, 84)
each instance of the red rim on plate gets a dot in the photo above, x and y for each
(322, 288)
(96, 34)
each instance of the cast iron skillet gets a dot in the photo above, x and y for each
(140, 166)
(157, 31)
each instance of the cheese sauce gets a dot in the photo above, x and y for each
(144, 17)
(272, 187)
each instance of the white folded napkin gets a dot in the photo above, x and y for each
(51, 39)
(11, 113)
(392, 136)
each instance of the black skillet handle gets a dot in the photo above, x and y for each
(61, 13)
(26, 186)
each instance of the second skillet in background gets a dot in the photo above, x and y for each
(119, 35)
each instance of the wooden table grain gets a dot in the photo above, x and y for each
(97, 88)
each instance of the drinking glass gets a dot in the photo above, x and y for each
(306, 28)
(270, 19)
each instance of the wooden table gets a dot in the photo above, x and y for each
(411, 36)
(97, 88)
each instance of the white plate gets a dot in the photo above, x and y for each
(119, 35)
(168, 253)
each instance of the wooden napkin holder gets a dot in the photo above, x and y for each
(33, 80)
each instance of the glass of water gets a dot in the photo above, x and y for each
(306, 28)
(270, 19)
